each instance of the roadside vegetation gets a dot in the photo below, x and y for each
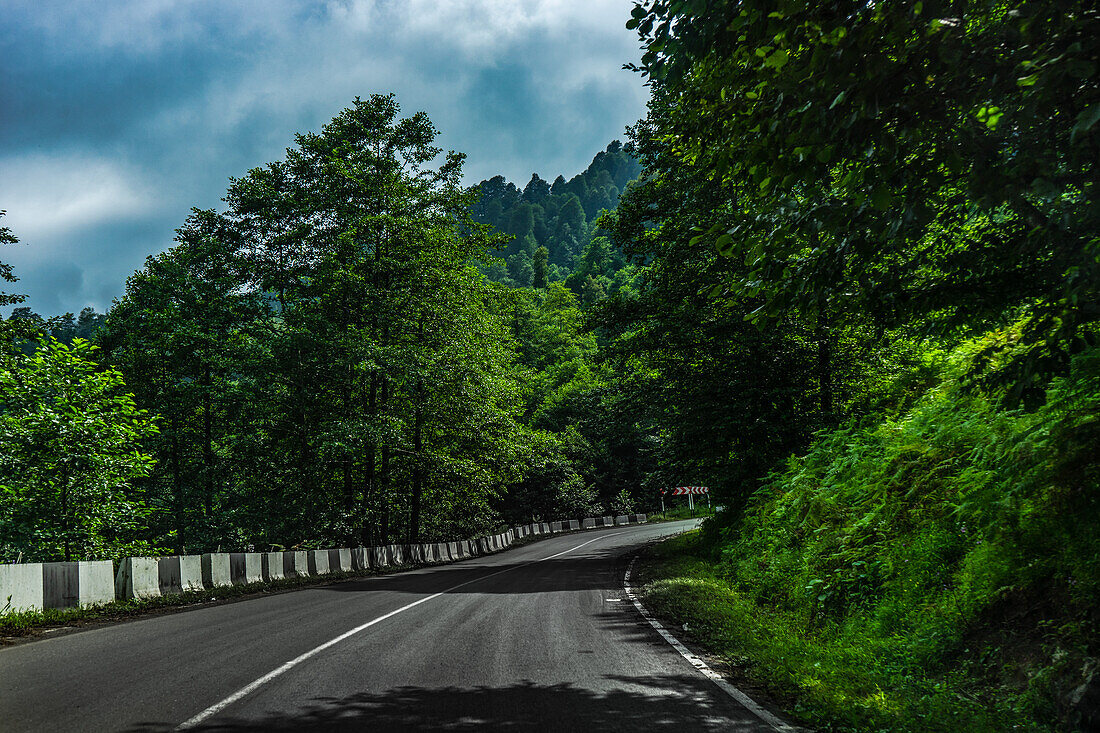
(937, 570)
(908, 190)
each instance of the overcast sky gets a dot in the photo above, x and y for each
(117, 117)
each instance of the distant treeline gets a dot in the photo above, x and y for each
(553, 226)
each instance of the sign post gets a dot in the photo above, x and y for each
(689, 492)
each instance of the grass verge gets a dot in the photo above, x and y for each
(831, 676)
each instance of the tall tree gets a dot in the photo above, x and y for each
(539, 266)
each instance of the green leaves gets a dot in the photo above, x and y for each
(1086, 120)
(777, 59)
(990, 115)
(70, 450)
(944, 157)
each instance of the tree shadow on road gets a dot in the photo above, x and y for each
(543, 576)
(672, 703)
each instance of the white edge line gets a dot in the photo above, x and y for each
(252, 686)
(747, 702)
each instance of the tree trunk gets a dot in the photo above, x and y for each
(177, 484)
(208, 441)
(418, 447)
(825, 365)
(65, 514)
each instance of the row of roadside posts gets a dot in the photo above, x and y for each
(690, 492)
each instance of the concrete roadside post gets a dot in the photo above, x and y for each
(295, 564)
(76, 584)
(137, 577)
(317, 561)
(216, 570)
(272, 566)
(21, 586)
(339, 560)
(179, 573)
(245, 568)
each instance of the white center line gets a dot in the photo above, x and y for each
(252, 686)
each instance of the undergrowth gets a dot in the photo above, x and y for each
(938, 570)
(679, 513)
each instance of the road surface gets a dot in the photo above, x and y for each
(539, 637)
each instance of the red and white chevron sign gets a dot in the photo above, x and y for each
(681, 490)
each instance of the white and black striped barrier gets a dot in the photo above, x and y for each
(37, 586)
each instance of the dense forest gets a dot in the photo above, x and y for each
(846, 272)
(329, 360)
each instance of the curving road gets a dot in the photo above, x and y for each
(539, 637)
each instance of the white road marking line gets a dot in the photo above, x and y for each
(252, 686)
(747, 702)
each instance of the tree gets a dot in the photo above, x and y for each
(15, 327)
(69, 454)
(184, 337)
(931, 163)
(697, 390)
(539, 265)
(520, 269)
(537, 190)
(592, 290)
(323, 351)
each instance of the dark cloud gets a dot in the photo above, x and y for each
(116, 118)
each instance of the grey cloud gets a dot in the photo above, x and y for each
(173, 98)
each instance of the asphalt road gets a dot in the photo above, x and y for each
(540, 637)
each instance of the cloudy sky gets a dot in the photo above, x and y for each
(117, 117)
